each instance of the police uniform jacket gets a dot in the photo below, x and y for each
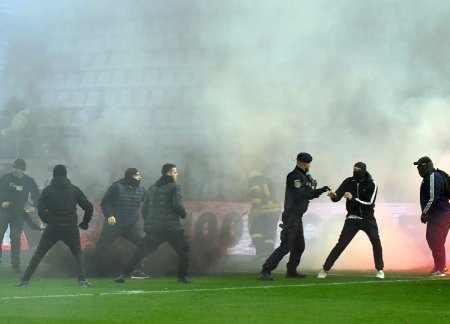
(300, 189)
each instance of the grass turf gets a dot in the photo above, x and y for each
(343, 297)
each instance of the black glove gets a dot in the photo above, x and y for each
(83, 225)
(424, 218)
(324, 189)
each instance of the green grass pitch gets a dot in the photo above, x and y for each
(343, 297)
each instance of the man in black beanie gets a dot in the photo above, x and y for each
(15, 189)
(57, 208)
(435, 212)
(300, 189)
(120, 206)
(360, 192)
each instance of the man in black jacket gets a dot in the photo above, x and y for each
(300, 189)
(15, 189)
(360, 191)
(162, 211)
(120, 206)
(57, 207)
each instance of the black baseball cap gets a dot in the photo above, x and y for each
(422, 160)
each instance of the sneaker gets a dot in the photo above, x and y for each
(183, 279)
(137, 274)
(437, 273)
(266, 276)
(120, 279)
(322, 274)
(445, 269)
(22, 283)
(84, 284)
(380, 274)
(297, 275)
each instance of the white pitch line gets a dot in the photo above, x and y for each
(142, 292)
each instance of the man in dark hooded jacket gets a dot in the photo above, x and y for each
(360, 191)
(57, 207)
(120, 206)
(162, 211)
(435, 212)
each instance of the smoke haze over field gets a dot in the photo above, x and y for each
(220, 87)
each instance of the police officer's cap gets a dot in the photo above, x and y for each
(422, 160)
(304, 157)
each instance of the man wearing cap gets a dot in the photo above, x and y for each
(15, 189)
(435, 213)
(360, 192)
(57, 207)
(300, 189)
(120, 206)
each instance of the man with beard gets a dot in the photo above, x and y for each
(360, 191)
(15, 189)
(57, 207)
(435, 212)
(162, 211)
(300, 189)
(120, 206)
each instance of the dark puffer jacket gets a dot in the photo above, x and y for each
(163, 207)
(58, 203)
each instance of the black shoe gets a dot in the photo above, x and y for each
(120, 279)
(183, 279)
(84, 284)
(265, 276)
(295, 275)
(137, 274)
(22, 283)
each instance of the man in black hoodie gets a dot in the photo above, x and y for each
(15, 189)
(57, 207)
(162, 211)
(120, 206)
(360, 191)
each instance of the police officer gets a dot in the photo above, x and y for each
(15, 189)
(57, 207)
(120, 206)
(264, 214)
(435, 213)
(300, 189)
(162, 211)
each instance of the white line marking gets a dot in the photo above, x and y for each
(141, 292)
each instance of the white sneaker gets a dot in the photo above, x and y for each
(322, 274)
(380, 274)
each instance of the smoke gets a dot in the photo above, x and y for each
(221, 87)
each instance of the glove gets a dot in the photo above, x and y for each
(83, 225)
(325, 189)
(424, 218)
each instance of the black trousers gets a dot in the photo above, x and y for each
(70, 235)
(292, 241)
(109, 234)
(351, 227)
(15, 222)
(153, 240)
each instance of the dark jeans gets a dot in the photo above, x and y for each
(153, 240)
(351, 227)
(292, 241)
(70, 235)
(109, 234)
(263, 228)
(437, 230)
(15, 222)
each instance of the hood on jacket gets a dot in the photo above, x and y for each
(60, 182)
